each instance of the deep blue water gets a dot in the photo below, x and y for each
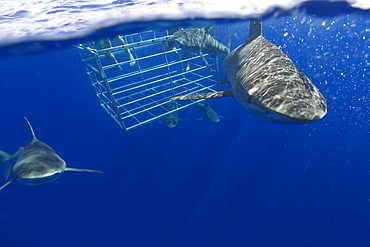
(239, 182)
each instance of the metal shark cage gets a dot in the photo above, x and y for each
(147, 71)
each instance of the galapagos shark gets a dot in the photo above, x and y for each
(170, 44)
(267, 83)
(198, 40)
(36, 164)
(208, 112)
(173, 118)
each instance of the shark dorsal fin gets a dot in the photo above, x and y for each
(30, 127)
(254, 31)
(207, 28)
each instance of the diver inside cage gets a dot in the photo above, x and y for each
(106, 43)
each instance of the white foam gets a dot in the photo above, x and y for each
(25, 20)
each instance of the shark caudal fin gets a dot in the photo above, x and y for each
(81, 170)
(8, 161)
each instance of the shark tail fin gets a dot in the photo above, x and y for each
(8, 160)
(30, 127)
(6, 184)
(254, 31)
(227, 93)
(81, 170)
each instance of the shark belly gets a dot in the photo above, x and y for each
(39, 180)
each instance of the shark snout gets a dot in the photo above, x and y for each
(306, 112)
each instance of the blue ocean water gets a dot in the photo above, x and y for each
(239, 182)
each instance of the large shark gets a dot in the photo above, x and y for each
(267, 83)
(36, 164)
(198, 40)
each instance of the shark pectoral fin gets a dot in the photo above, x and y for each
(9, 182)
(7, 170)
(8, 160)
(8, 165)
(227, 93)
(81, 170)
(5, 155)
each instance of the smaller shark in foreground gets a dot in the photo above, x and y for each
(208, 112)
(267, 83)
(36, 164)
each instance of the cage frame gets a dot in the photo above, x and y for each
(92, 57)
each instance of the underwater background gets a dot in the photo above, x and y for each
(238, 182)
